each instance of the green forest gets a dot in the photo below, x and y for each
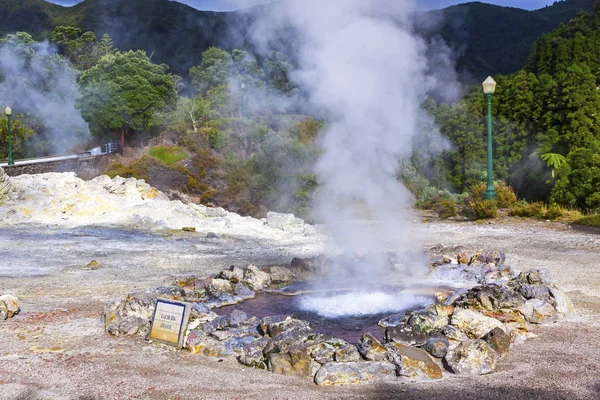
(228, 133)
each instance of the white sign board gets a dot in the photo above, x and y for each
(169, 322)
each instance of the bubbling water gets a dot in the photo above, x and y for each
(359, 303)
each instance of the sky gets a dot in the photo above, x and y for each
(228, 5)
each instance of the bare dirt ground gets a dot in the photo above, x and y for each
(56, 348)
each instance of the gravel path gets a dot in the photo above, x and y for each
(56, 347)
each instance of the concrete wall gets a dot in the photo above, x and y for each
(84, 167)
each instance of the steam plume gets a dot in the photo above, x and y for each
(361, 62)
(37, 82)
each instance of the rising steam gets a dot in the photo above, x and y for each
(361, 62)
(37, 82)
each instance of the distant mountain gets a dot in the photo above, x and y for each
(488, 39)
(491, 39)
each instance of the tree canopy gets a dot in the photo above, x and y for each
(124, 91)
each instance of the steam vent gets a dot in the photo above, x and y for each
(481, 309)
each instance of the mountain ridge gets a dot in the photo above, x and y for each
(489, 39)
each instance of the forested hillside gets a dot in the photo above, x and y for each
(236, 134)
(546, 123)
(487, 39)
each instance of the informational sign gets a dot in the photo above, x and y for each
(169, 322)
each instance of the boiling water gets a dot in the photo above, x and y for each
(345, 314)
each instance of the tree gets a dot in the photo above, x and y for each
(81, 48)
(124, 91)
(195, 111)
(20, 131)
(554, 160)
(578, 182)
(215, 70)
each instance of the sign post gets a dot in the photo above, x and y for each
(169, 322)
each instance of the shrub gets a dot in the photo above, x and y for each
(136, 169)
(477, 191)
(530, 210)
(445, 208)
(217, 139)
(482, 209)
(553, 212)
(167, 154)
(429, 196)
(592, 221)
(505, 195)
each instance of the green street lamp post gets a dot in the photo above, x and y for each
(489, 87)
(8, 112)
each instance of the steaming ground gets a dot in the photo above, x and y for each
(56, 348)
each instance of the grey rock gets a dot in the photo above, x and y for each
(197, 338)
(223, 299)
(323, 352)
(131, 325)
(199, 309)
(237, 318)
(211, 235)
(406, 334)
(255, 278)
(348, 353)
(217, 287)
(242, 291)
(472, 357)
(371, 349)
(168, 292)
(453, 333)
(199, 342)
(491, 298)
(488, 257)
(215, 212)
(392, 320)
(235, 344)
(9, 306)
(426, 321)
(219, 323)
(251, 354)
(232, 274)
(412, 362)
(282, 342)
(288, 324)
(303, 264)
(454, 296)
(135, 305)
(333, 373)
(539, 311)
(5, 186)
(473, 323)
(534, 291)
(437, 344)
(561, 301)
(281, 275)
(285, 222)
(271, 319)
(296, 362)
(498, 340)
(535, 277)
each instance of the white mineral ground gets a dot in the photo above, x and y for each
(53, 225)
